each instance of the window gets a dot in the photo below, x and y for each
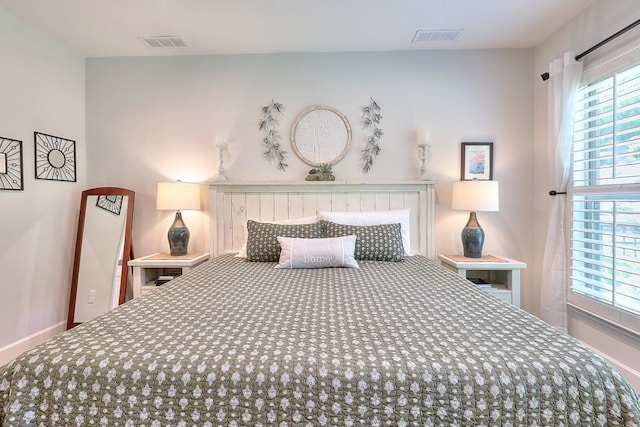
(605, 235)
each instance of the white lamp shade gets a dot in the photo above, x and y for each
(176, 196)
(475, 196)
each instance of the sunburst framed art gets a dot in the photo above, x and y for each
(11, 177)
(55, 157)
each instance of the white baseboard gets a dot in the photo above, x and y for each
(10, 352)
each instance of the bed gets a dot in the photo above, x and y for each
(235, 342)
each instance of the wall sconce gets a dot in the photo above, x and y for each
(474, 196)
(178, 196)
(222, 147)
(424, 145)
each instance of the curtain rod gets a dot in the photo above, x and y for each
(545, 75)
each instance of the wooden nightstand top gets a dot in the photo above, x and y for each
(486, 262)
(163, 259)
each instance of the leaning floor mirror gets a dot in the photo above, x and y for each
(103, 249)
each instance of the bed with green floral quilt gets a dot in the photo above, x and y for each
(235, 342)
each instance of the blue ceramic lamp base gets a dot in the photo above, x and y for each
(178, 236)
(472, 237)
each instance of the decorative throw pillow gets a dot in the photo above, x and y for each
(262, 241)
(242, 253)
(317, 253)
(381, 242)
(401, 216)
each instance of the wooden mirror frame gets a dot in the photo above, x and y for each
(126, 250)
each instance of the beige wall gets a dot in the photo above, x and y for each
(42, 89)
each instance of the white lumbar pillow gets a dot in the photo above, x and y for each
(317, 253)
(374, 218)
(304, 220)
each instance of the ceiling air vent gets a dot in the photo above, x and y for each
(435, 36)
(164, 41)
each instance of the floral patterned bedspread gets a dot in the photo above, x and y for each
(240, 343)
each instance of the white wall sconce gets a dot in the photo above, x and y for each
(424, 152)
(222, 147)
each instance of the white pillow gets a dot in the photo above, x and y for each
(304, 220)
(374, 218)
(317, 253)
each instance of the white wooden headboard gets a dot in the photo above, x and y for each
(232, 204)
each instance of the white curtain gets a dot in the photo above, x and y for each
(564, 79)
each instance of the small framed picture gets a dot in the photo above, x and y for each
(477, 161)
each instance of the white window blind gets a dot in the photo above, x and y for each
(605, 235)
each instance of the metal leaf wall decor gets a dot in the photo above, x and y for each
(371, 118)
(269, 125)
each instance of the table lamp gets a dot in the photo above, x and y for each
(178, 196)
(474, 196)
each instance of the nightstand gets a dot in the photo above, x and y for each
(502, 274)
(149, 270)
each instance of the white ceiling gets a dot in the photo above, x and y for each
(99, 28)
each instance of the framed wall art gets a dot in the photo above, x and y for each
(11, 164)
(476, 161)
(55, 157)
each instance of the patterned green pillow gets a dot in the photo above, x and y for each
(374, 242)
(262, 238)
